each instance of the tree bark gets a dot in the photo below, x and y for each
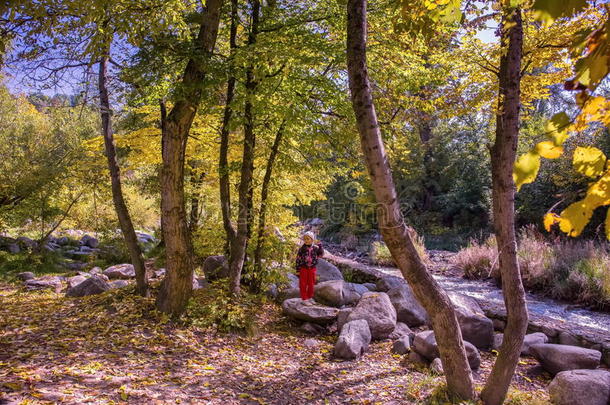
(178, 283)
(391, 222)
(223, 165)
(262, 215)
(238, 247)
(196, 180)
(127, 229)
(503, 192)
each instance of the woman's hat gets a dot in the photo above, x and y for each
(310, 234)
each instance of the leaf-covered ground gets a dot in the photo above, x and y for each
(115, 348)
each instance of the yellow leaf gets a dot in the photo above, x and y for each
(549, 150)
(557, 128)
(550, 219)
(526, 168)
(575, 218)
(589, 161)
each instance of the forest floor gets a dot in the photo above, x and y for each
(115, 348)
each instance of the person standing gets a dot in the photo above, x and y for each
(307, 259)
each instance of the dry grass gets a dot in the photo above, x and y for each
(380, 254)
(574, 270)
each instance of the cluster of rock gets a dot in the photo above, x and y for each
(388, 309)
(77, 246)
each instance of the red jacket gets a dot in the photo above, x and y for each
(307, 255)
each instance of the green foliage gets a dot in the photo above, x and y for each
(213, 307)
(39, 263)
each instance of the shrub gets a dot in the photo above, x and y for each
(38, 263)
(381, 256)
(570, 269)
(213, 307)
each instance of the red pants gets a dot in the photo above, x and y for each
(307, 279)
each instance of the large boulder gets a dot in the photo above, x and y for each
(45, 283)
(475, 326)
(287, 294)
(353, 340)
(123, 271)
(581, 387)
(91, 286)
(309, 311)
(557, 358)
(408, 309)
(89, 241)
(377, 310)
(338, 293)
(402, 345)
(401, 330)
(216, 267)
(425, 345)
(326, 271)
(342, 316)
(532, 339)
(75, 280)
(386, 283)
(27, 243)
(118, 284)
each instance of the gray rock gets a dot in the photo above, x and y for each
(475, 326)
(498, 338)
(118, 284)
(425, 344)
(417, 359)
(272, 291)
(91, 286)
(27, 242)
(95, 270)
(293, 280)
(556, 358)
(199, 282)
(121, 271)
(566, 338)
(312, 328)
(370, 286)
(377, 310)
(342, 316)
(532, 339)
(401, 330)
(408, 309)
(89, 241)
(581, 387)
(215, 267)
(354, 340)
(309, 311)
(338, 293)
(287, 294)
(385, 284)
(498, 324)
(13, 248)
(326, 271)
(63, 241)
(160, 273)
(26, 275)
(402, 345)
(75, 280)
(75, 265)
(45, 283)
(437, 366)
(311, 343)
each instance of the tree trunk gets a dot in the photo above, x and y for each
(502, 162)
(178, 283)
(223, 165)
(129, 234)
(391, 222)
(425, 135)
(196, 180)
(262, 215)
(238, 247)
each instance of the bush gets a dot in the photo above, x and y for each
(38, 263)
(213, 307)
(381, 256)
(570, 269)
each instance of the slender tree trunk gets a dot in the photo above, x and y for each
(425, 135)
(196, 180)
(391, 222)
(129, 234)
(178, 283)
(223, 165)
(262, 215)
(238, 247)
(502, 162)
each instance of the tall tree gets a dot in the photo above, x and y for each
(502, 161)
(391, 222)
(127, 229)
(244, 216)
(178, 283)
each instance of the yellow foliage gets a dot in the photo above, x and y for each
(589, 161)
(575, 217)
(549, 150)
(526, 168)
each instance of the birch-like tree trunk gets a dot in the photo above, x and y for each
(391, 221)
